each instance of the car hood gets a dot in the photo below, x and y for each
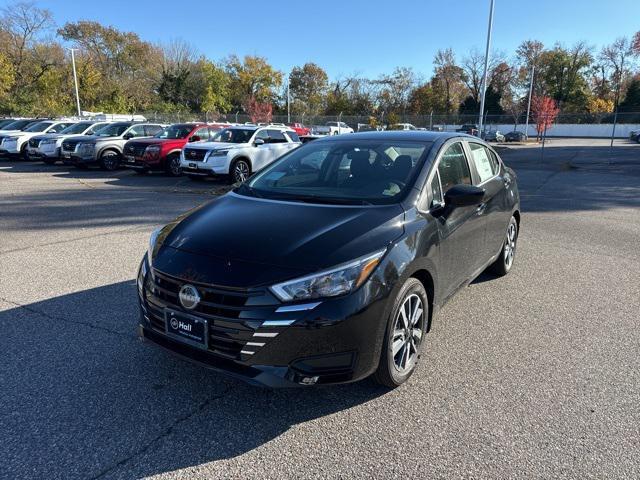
(94, 139)
(217, 145)
(158, 141)
(243, 241)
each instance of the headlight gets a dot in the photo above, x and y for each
(153, 239)
(337, 281)
(218, 153)
(153, 149)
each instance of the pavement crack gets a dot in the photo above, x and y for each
(164, 434)
(61, 319)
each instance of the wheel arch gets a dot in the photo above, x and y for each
(240, 157)
(109, 148)
(425, 277)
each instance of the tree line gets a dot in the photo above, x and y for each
(120, 72)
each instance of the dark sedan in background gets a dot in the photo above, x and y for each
(329, 265)
(515, 136)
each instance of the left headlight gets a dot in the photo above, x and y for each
(153, 239)
(339, 280)
(218, 153)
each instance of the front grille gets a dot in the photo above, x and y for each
(34, 142)
(194, 154)
(70, 145)
(136, 150)
(231, 314)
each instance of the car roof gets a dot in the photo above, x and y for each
(412, 135)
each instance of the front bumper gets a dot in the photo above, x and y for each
(212, 167)
(39, 154)
(337, 341)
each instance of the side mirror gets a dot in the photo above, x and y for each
(195, 138)
(258, 142)
(463, 196)
(128, 136)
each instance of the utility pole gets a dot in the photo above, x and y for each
(486, 67)
(288, 101)
(75, 80)
(526, 128)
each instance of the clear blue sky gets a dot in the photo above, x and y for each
(366, 37)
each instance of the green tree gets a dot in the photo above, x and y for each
(216, 83)
(308, 88)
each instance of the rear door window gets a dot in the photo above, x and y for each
(276, 136)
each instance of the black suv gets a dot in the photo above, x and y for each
(329, 265)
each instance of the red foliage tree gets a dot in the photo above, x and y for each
(259, 112)
(544, 111)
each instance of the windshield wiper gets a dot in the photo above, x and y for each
(322, 200)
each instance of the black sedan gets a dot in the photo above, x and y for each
(515, 136)
(330, 264)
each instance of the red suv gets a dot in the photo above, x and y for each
(299, 128)
(162, 151)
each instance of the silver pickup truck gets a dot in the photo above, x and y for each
(104, 147)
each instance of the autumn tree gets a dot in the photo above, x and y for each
(447, 80)
(617, 58)
(252, 80)
(394, 92)
(127, 64)
(544, 111)
(259, 111)
(308, 87)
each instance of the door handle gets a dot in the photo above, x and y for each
(481, 208)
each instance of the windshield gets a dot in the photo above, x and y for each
(233, 135)
(76, 128)
(175, 132)
(347, 172)
(18, 125)
(4, 123)
(113, 130)
(38, 127)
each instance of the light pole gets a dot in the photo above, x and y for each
(75, 80)
(486, 67)
(288, 101)
(533, 72)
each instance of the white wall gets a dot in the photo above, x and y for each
(600, 130)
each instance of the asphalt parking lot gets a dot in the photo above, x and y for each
(536, 374)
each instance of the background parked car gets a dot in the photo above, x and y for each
(468, 129)
(104, 147)
(332, 128)
(162, 151)
(515, 136)
(237, 151)
(494, 136)
(299, 128)
(401, 126)
(634, 135)
(47, 147)
(16, 143)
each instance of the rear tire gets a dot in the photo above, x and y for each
(23, 153)
(404, 335)
(504, 263)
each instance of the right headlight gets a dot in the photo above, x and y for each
(153, 239)
(339, 280)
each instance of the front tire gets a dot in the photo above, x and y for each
(406, 328)
(110, 160)
(240, 170)
(504, 263)
(173, 165)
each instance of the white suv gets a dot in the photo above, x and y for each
(15, 143)
(238, 151)
(47, 147)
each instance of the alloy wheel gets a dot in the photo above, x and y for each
(510, 245)
(110, 161)
(407, 333)
(240, 171)
(174, 166)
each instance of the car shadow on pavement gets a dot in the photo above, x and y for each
(82, 397)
